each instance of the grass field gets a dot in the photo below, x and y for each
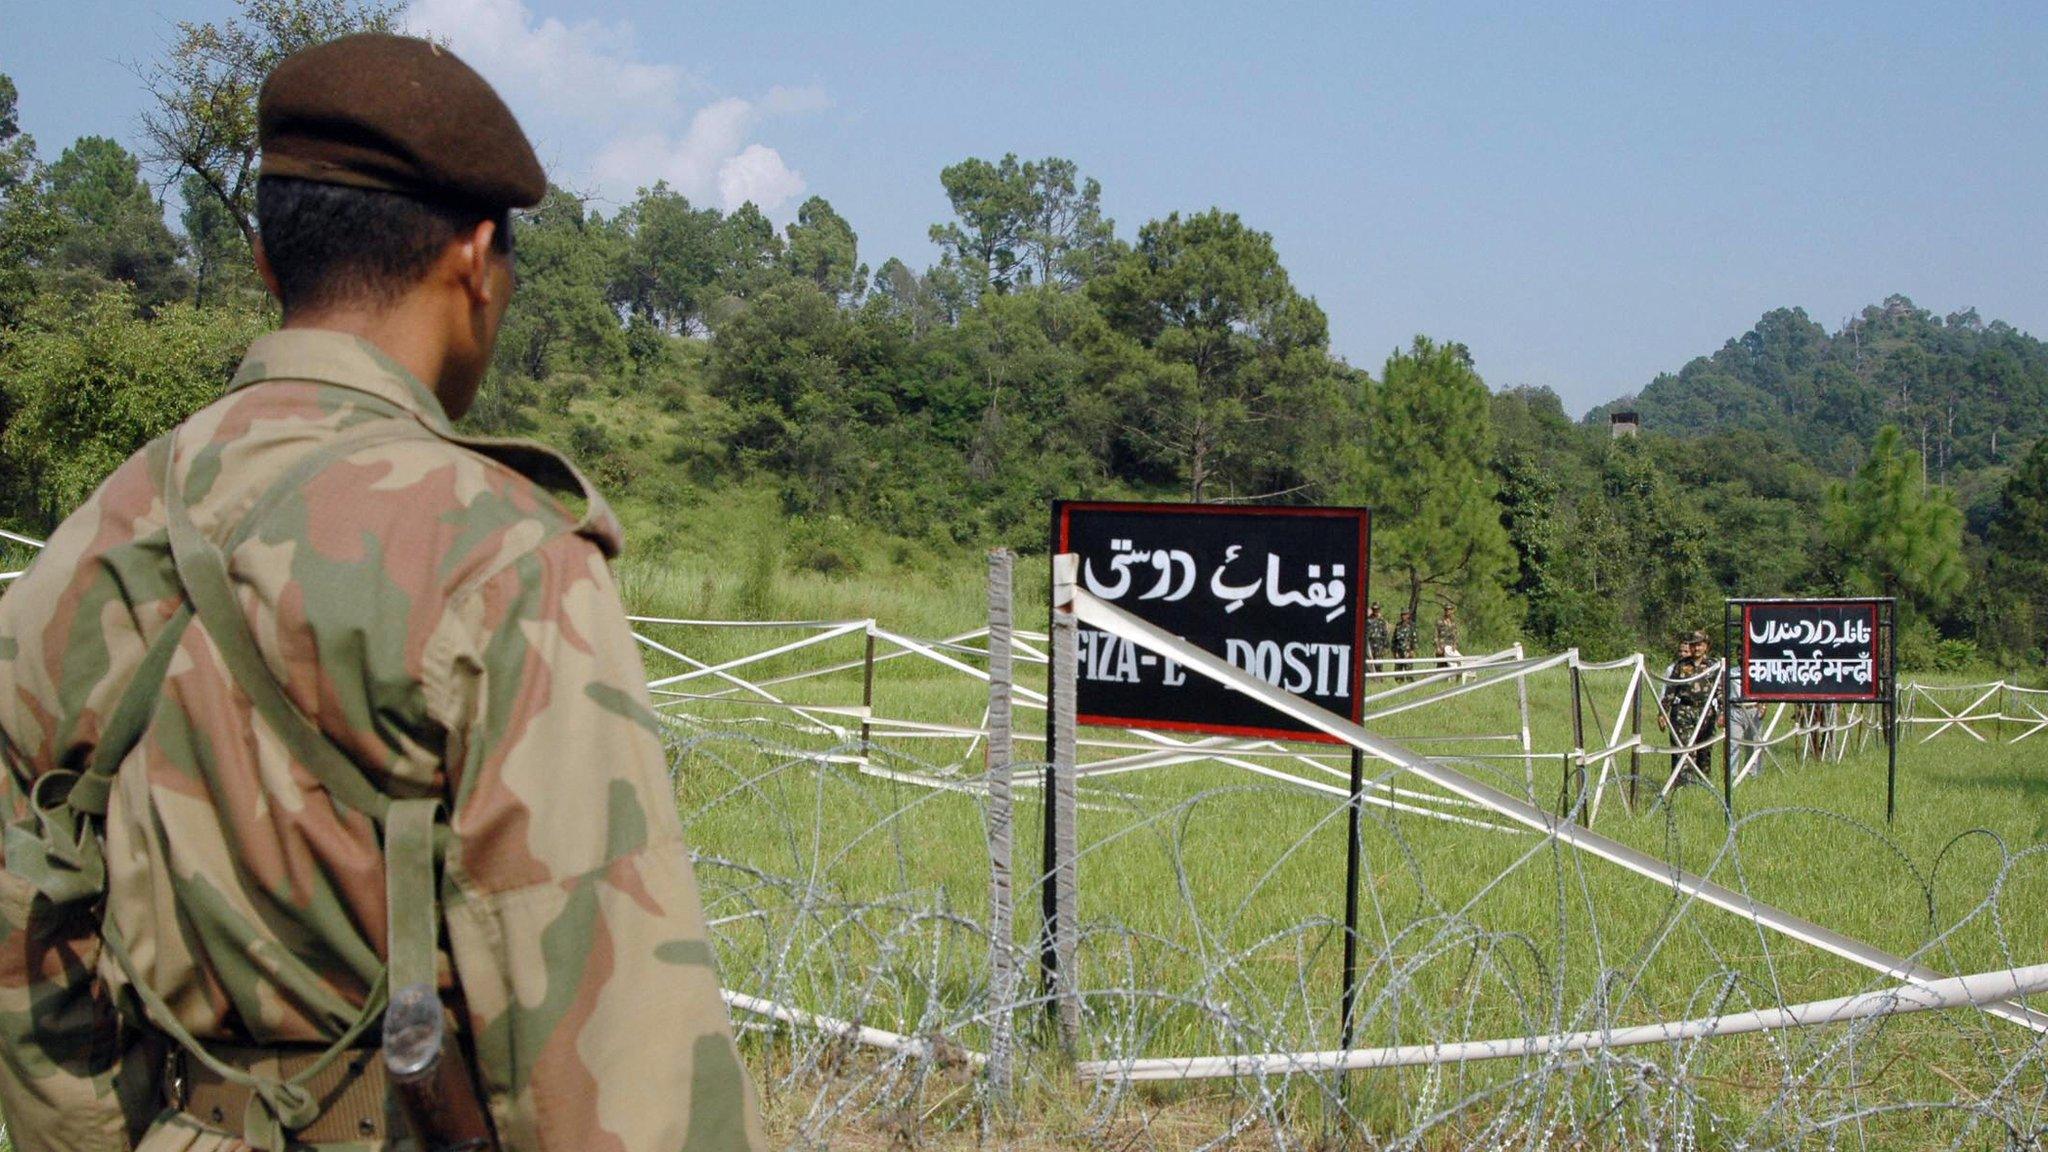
(1211, 901)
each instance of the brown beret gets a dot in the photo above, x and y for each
(399, 115)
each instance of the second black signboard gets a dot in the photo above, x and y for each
(1278, 592)
(1810, 650)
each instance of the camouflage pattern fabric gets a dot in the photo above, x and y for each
(1685, 703)
(1376, 637)
(442, 609)
(1446, 636)
(1404, 639)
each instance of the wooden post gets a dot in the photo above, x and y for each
(1002, 943)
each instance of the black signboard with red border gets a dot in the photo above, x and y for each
(1812, 651)
(1835, 651)
(1278, 592)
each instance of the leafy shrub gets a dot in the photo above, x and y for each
(89, 383)
(1957, 656)
(825, 545)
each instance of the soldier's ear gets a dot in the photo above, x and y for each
(473, 262)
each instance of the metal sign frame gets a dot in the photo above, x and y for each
(1055, 914)
(1884, 692)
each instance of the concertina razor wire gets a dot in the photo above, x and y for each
(842, 850)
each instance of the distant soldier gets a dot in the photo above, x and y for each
(1687, 704)
(1404, 639)
(321, 722)
(1447, 638)
(1375, 635)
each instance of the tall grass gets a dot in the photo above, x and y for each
(1211, 899)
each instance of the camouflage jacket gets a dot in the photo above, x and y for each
(451, 625)
(1376, 635)
(1689, 698)
(1404, 638)
(1446, 636)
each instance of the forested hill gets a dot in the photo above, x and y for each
(1966, 393)
(772, 399)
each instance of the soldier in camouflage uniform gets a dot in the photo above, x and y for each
(1447, 638)
(1686, 703)
(1375, 636)
(245, 675)
(1404, 639)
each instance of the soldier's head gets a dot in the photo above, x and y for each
(383, 209)
(1373, 609)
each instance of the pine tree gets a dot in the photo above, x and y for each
(1436, 516)
(1895, 535)
(2018, 555)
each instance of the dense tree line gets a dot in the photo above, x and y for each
(685, 353)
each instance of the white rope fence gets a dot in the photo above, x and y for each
(1404, 686)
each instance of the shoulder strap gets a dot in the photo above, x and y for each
(203, 571)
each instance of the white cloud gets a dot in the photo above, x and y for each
(711, 161)
(757, 174)
(600, 117)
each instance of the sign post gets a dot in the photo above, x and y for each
(1279, 592)
(1822, 651)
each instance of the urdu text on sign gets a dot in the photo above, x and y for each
(1277, 592)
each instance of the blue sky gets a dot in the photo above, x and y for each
(1585, 194)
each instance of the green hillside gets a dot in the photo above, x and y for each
(769, 404)
(1968, 394)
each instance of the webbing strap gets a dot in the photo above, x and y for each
(203, 571)
(123, 729)
(275, 1106)
(409, 893)
(59, 852)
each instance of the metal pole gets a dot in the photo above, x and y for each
(1528, 746)
(1727, 717)
(1353, 859)
(1891, 713)
(1727, 744)
(1001, 819)
(867, 697)
(1578, 733)
(1635, 728)
(1891, 756)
